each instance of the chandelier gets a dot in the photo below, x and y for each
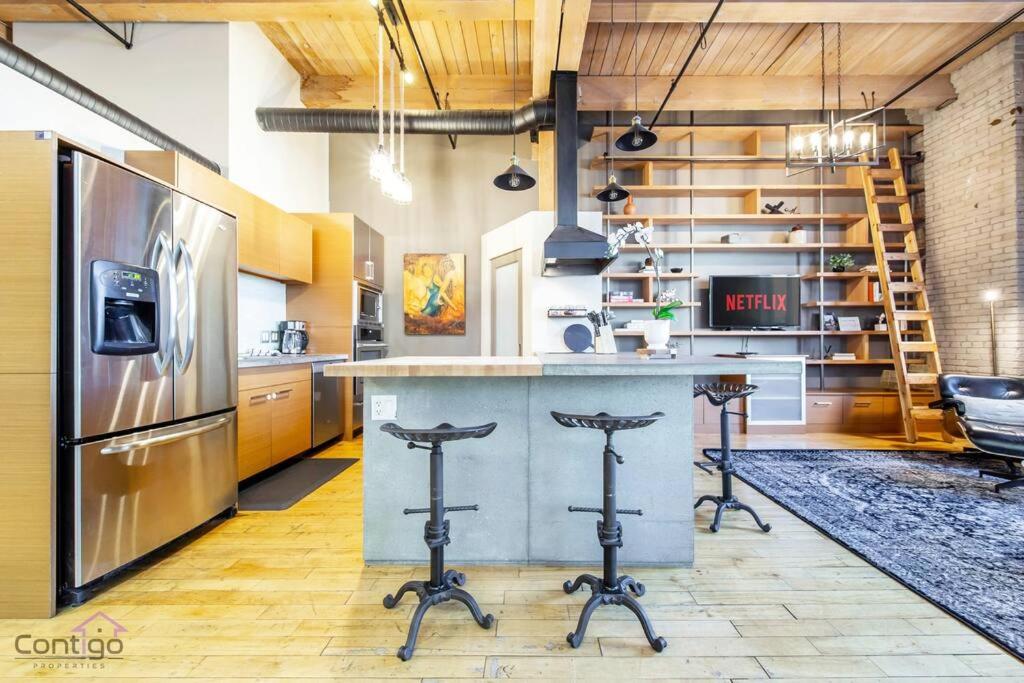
(836, 140)
(384, 167)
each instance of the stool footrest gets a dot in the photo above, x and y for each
(453, 508)
(637, 511)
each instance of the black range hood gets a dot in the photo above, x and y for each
(570, 249)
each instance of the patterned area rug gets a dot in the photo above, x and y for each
(925, 519)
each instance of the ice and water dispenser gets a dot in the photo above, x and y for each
(125, 309)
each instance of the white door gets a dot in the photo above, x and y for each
(506, 305)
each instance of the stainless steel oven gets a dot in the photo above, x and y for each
(369, 345)
(369, 305)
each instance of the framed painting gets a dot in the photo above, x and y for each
(434, 294)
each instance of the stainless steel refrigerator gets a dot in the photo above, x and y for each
(147, 362)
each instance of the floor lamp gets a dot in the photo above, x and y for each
(992, 296)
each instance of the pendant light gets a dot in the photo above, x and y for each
(403, 188)
(389, 186)
(612, 192)
(379, 162)
(514, 179)
(639, 136)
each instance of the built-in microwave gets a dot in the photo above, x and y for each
(369, 305)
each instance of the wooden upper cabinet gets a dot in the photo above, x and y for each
(271, 242)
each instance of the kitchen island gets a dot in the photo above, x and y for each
(526, 474)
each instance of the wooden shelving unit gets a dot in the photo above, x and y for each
(692, 201)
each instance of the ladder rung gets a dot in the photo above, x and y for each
(926, 413)
(891, 199)
(885, 173)
(922, 378)
(895, 227)
(902, 287)
(912, 315)
(918, 347)
(903, 256)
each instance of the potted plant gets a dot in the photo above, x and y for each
(658, 330)
(840, 262)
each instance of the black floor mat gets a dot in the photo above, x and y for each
(286, 488)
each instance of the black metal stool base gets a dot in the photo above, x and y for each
(434, 595)
(617, 595)
(732, 503)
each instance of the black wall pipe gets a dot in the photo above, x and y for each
(17, 59)
(536, 115)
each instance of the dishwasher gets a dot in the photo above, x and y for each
(326, 405)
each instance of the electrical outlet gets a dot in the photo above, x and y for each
(383, 408)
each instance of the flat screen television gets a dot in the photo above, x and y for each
(753, 301)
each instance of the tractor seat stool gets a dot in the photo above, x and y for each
(719, 394)
(612, 589)
(443, 585)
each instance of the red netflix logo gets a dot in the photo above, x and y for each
(755, 302)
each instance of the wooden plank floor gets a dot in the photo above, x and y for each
(286, 595)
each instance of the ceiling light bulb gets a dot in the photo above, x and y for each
(990, 295)
(373, 3)
(798, 144)
(815, 142)
(865, 140)
(390, 185)
(832, 141)
(408, 77)
(848, 139)
(403, 190)
(380, 163)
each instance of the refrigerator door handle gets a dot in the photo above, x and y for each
(163, 438)
(162, 358)
(182, 359)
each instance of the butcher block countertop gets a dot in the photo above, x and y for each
(556, 364)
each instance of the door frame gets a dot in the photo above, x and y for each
(507, 259)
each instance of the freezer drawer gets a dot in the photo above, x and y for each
(134, 493)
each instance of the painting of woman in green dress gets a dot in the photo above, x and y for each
(434, 294)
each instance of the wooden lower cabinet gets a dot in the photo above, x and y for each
(254, 432)
(275, 416)
(292, 420)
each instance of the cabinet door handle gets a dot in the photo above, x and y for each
(823, 403)
(286, 393)
(256, 400)
(862, 405)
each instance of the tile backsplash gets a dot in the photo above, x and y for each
(261, 305)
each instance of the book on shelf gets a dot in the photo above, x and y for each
(842, 355)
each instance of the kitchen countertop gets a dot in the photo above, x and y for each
(288, 359)
(555, 364)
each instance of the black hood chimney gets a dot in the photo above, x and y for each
(570, 250)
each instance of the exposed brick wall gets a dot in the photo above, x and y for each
(974, 175)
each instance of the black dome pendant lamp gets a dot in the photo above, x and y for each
(638, 137)
(514, 179)
(612, 192)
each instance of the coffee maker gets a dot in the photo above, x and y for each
(294, 338)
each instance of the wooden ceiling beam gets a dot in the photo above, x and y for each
(255, 10)
(549, 46)
(815, 11)
(600, 93)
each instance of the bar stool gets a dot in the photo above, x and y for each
(719, 394)
(443, 585)
(612, 588)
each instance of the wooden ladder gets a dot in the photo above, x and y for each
(915, 344)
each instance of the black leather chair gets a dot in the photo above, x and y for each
(989, 413)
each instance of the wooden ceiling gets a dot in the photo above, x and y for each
(758, 54)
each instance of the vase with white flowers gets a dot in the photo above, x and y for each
(658, 330)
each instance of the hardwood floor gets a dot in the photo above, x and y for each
(285, 594)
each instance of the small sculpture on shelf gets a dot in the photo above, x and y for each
(777, 209)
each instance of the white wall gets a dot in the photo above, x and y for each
(175, 77)
(287, 169)
(527, 232)
(261, 304)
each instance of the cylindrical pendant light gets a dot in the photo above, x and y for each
(379, 158)
(514, 179)
(639, 136)
(403, 191)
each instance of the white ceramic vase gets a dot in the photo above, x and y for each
(656, 334)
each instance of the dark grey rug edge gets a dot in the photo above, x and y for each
(903, 582)
(284, 489)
